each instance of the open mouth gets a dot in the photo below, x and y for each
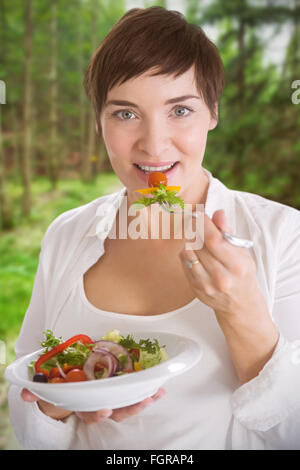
(150, 169)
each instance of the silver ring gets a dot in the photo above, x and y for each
(190, 263)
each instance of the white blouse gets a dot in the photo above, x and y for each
(205, 408)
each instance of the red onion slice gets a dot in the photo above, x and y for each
(62, 373)
(110, 362)
(116, 363)
(116, 349)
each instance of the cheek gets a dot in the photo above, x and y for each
(117, 141)
(194, 140)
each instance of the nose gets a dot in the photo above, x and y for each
(155, 140)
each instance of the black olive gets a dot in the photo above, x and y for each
(40, 377)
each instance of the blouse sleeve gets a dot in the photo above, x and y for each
(33, 429)
(269, 404)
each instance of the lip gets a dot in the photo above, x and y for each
(155, 163)
(169, 174)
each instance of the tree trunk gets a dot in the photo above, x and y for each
(53, 145)
(15, 139)
(5, 211)
(294, 113)
(82, 107)
(242, 63)
(26, 160)
(296, 40)
(89, 154)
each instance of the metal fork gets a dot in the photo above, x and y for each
(236, 241)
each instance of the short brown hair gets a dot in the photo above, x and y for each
(145, 38)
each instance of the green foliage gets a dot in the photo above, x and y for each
(254, 147)
(19, 249)
(50, 341)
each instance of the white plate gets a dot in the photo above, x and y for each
(112, 392)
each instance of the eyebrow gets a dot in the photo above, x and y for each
(172, 100)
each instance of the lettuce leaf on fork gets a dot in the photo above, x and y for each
(159, 196)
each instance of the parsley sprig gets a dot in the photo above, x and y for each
(161, 195)
(147, 345)
(50, 341)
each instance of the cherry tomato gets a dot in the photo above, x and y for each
(135, 352)
(54, 372)
(56, 380)
(156, 178)
(67, 368)
(76, 375)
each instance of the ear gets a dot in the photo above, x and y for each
(214, 121)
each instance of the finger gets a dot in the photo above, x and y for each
(201, 281)
(215, 270)
(221, 261)
(216, 244)
(26, 395)
(90, 417)
(159, 394)
(196, 271)
(219, 219)
(210, 227)
(122, 413)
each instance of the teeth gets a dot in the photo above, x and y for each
(155, 168)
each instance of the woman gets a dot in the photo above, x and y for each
(155, 82)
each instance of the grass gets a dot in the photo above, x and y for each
(19, 253)
(20, 247)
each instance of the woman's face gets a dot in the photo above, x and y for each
(152, 131)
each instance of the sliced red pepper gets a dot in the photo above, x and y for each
(84, 339)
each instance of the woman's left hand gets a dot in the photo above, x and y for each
(225, 279)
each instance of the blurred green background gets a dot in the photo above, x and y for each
(51, 159)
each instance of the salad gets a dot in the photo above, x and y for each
(80, 359)
(160, 191)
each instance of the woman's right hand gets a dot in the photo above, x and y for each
(89, 417)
